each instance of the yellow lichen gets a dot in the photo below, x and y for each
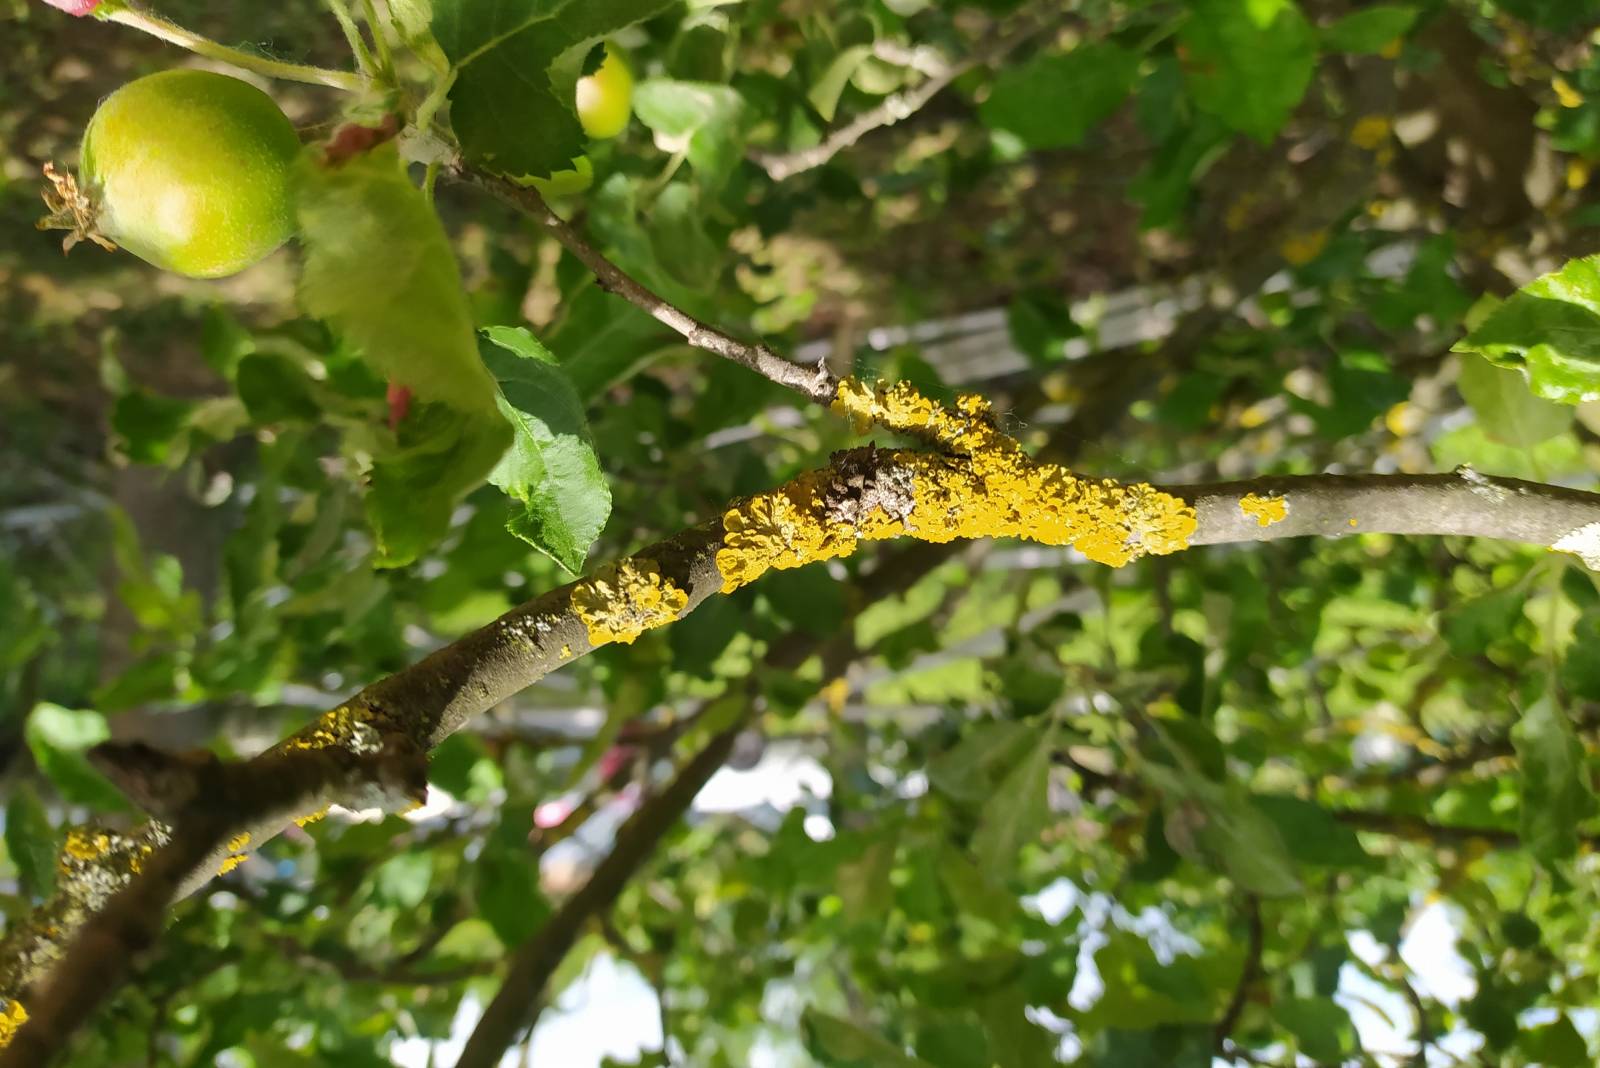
(1265, 510)
(238, 842)
(1301, 248)
(622, 601)
(566, 650)
(1578, 173)
(1370, 132)
(11, 1021)
(230, 863)
(331, 729)
(900, 407)
(311, 817)
(985, 487)
(83, 844)
(1354, 521)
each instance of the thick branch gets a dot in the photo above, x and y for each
(813, 383)
(515, 1006)
(218, 801)
(1463, 503)
(828, 512)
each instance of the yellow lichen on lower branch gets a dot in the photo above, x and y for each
(11, 1021)
(994, 492)
(230, 863)
(622, 601)
(1264, 510)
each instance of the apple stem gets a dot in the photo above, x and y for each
(146, 21)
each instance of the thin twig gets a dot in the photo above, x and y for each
(515, 1006)
(813, 383)
(140, 18)
(1247, 975)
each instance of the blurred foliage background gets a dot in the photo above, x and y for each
(1001, 807)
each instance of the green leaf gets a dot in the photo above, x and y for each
(404, 879)
(1053, 101)
(841, 1044)
(1311, 834)
(551, 467)
(1505, 409)
(1550, 331)
(1221, 827)
(509, 896)
(1580, 670)
(969, 771)
(1369, 30)
(1556, 1045)
(705, 121)
(1469, 627)
(1550, 14)
(380, 269)
(825, 91)
(31, 841)
(1248, 63)
(679, 239)
(58, 737)
(275, 389)
(1159, 1047)
(149, 427)
(512, 104)
(1321, 1028)
(1019, 808)
(863, 883)
(604, 340)
(439, 455)
(975, 891)
(1556, 791)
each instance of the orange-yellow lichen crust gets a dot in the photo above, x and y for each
(311, 817)
(622, 601)
(11, 1020)
(984, 486)
(1264, 510)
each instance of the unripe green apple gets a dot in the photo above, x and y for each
(605, 98)
(191, 171)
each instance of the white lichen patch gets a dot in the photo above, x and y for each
(1584, 543)
(1481, 485)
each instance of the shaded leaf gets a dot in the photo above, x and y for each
(512, 106)
(1018, 810)
(551, 467)
(1248, 63)
(1369, 30)
(31, 842)
(1053, 101)
(1505, 408)
(838, 1042)
(1556, 789)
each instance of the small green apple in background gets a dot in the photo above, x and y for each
(605, 98)
(188, 170)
